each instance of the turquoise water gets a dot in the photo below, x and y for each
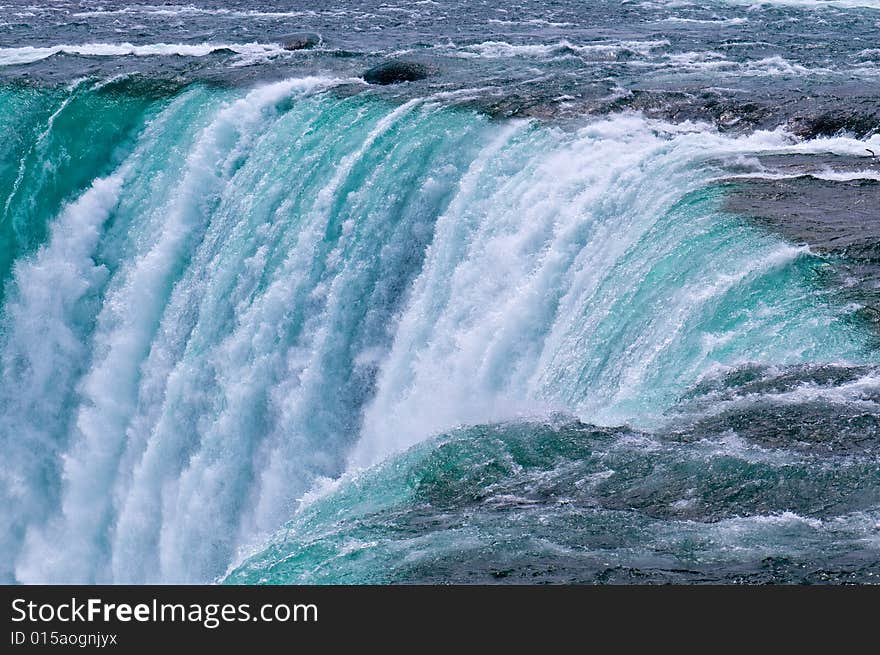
(303, 330)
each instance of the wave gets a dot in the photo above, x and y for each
(30, 54)
(810, 4)
(715, 63)
(502, 49)
(653, 54)
(739, 20)
(190, 10)
(826, 175)
(530, 21)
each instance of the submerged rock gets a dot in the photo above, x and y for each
(396, 71)
(300, 41)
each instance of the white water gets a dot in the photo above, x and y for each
(309, 284)
(30, 54)
(809, 4)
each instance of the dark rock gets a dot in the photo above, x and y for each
(834, 123)
(396, 71)
(300, 41)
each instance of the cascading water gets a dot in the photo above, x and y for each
(294, 331)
